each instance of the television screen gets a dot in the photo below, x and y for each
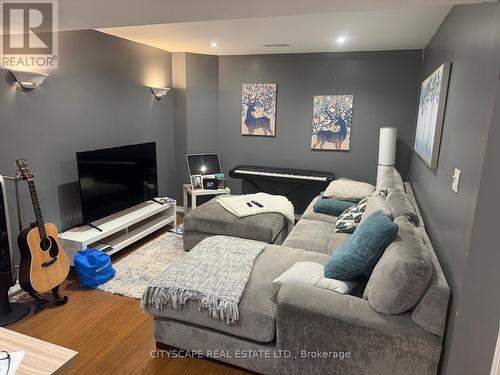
(204, 164)
(114, 179)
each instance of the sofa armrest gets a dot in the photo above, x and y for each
(354, 338)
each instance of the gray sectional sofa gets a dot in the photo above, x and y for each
(299, 329)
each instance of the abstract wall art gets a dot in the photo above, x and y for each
(431, 115)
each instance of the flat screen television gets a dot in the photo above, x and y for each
(204, 164)
(114, 179)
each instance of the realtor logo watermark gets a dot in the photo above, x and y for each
(29, 34)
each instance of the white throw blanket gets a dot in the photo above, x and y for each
(215, 273)
(237, 205)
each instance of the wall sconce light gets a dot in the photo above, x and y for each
(29, 80)
(159, 92)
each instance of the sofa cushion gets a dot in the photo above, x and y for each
(402, 275)
(332, 206)
(360, 253)
(310, 214)
(310, 235)
(338, 239)
(431, 311)
(212, 218)
(348, 190)
(411, 196)
(257, 306)
(388, 178)
(399, 204)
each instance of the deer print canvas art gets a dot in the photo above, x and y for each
(332, 122)
(258, 109)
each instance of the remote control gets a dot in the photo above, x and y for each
(257, 204)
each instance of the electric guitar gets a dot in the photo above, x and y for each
(44, 263)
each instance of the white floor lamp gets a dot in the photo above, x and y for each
(386, 150)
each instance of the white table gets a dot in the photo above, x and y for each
(196, 193)
(42, 358)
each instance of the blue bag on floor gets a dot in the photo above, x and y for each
(93, 267)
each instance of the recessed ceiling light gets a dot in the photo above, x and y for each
(341, 39)
(215, 44)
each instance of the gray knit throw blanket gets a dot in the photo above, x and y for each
(215, 273)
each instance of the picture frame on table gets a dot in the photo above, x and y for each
(210, 183)
(196, 182)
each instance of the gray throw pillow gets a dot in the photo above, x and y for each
(348, 190)
(389, 179)
(403, 273)
(376, 202)
(398, 204)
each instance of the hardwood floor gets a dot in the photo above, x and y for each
(111, 334)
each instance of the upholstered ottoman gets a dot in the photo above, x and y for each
(212, 219)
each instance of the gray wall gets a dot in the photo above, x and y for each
(202, 80)
(99, 97)
(180, 120)
(385, 87)
(476, 327)
(196, 86)
(469, 39)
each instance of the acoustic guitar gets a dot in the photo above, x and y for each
(44, 263)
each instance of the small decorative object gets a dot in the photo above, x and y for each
(160, 92)
(331, 123)
(221, 183)
(431, 114)
(258, 109)
(209, 183)
(196, 182)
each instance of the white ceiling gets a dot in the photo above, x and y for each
(94, 14)
(364, 31)
(243, 26)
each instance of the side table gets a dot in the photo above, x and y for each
(196, 193)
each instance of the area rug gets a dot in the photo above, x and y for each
(136, 270)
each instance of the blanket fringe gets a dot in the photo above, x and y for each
(218, 308)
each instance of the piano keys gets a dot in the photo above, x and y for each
(298, 177)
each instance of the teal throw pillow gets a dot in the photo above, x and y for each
(332, 206)
(359, 254)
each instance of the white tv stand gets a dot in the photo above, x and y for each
(121, 229)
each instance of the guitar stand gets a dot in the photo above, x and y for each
(42, 301)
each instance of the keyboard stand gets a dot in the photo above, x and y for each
(260, 189)
(254, 184)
